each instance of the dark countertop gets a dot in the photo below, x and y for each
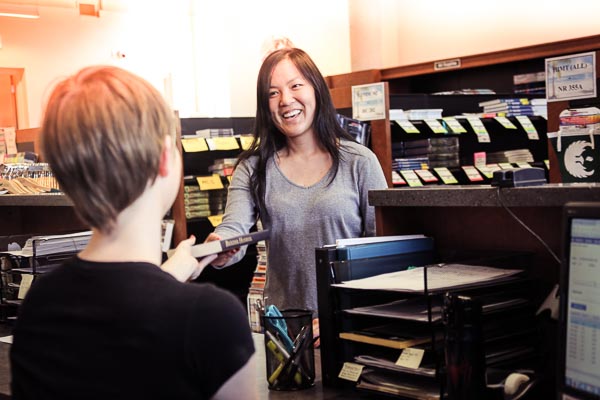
(317, 392)
(42, 199)
(549, 195)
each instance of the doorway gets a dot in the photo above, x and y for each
(9, 82)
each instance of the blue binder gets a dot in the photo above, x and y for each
(380, 249)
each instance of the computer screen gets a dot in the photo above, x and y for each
(579, 347)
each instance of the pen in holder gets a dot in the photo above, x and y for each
(289, 348)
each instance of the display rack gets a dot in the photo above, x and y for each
(492, 70)
(373, 327)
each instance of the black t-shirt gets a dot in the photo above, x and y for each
(92, 330)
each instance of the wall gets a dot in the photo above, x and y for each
(202, 55)
(390, 33)
(61, 41)
(232, 41)
(206, 61)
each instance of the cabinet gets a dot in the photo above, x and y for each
(372, 327)
(493, 70)
(476, 218)
(466, 222)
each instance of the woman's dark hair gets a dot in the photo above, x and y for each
(267, 137)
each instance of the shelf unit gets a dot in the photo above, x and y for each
(22, 217)
(235, 278)
(492, 70)
(351, 329)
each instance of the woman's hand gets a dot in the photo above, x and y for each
(224, 257)
(183, 265)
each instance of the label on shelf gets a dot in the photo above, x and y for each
(505, 122)
(479, 159)
(351, 371)
(211, 182)
(505, 165)
(435, 125)
(407, 126)
(246, 141)
(194, 145)
(472, 173)
(523, 165)
(222, 143)
(445, 175)
(527, 125)
(411, 358)
(482, 134)
(215, 220)
(411, 178)
(397, 179)
(488, 170)
(426, 175)
(446, 64)
(454, 125)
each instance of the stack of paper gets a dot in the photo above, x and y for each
(56, 244)
(439, 277)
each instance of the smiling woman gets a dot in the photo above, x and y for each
(304, 177)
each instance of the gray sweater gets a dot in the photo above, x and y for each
(304, 218)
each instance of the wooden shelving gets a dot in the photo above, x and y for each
(492, 70)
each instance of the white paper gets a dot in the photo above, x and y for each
(439, 276)
(374, 239)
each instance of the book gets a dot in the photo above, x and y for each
(507, 106)
(219, 246)
(531, 77)
(379, 249)
(515, 101)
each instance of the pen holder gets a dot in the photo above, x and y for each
(289, 350)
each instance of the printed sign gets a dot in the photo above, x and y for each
(446, 64)
(368, 101)
(571, 77)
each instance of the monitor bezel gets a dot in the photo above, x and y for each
(584, 210)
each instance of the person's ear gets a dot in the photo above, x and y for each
(166, 155)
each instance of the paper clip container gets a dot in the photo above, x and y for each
(289, 350)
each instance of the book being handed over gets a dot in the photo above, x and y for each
(219, 246)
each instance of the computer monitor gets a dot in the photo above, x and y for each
(579, 317)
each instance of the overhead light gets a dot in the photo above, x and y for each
(19, 11)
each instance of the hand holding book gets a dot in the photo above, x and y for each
(222, 258)
(226, 248)
(182, 264)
